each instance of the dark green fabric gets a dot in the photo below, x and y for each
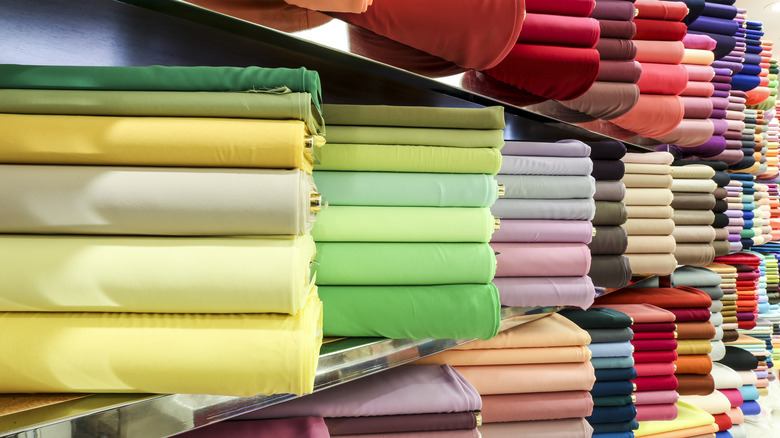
(415, 116)
(610, 335)
(161, 78)
(608, 240)
(599, 317)
(612, 400)
(376, 263)
(610, 213)
(412, 312)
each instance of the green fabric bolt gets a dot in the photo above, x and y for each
(292, 106)
(161, 78)
(407, 158)
(407, 189)
(465, 138)
(376, 263)
(454, 311)
(403, 224)
(415, 116)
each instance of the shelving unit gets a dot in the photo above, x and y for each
(170, 32)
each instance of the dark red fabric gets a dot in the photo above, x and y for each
(741, 259)
(559, 30)
(659, 30)
(671, 297)
(654, 335)
(575, 8)
(617, 29)
(619, 71)
(671, 79)
(653, 9)
(616, 49)
(655, 356)
(551, 72)
(655, 383)
(746, 325)
(682, 315)
(451, 30)
(654, 344)
(485, 85)
(654, 327)
(723, 421)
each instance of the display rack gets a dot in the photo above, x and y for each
(157, 416)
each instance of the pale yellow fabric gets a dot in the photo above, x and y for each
(649, 181)
(649, 211)
(155, 274)
(651, 244)
(154, 141)
(222, 354)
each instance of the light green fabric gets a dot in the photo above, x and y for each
(412, 312)
(161, 78)
(467, 138)
(403, 224)
(405, 158)
(407, 189)
(415, 116)
(547, 187)
(293, 106)
(375, 263)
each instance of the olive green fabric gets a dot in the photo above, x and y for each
(383, 263)
(467, 138)
(415, 116)
(453, 311)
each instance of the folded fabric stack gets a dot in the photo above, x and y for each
(749, 78)
(755, 141)
(694, 331)
(691, 422)
(743, 363)
(409, 191)
(727, 383)
(166, 213)
(728, 312)
(748, 274)
(735, 118)
(654, 356)
(408, 401)
(693, 202)
(752, 232)
(609, 268)
(614, 92)
(717, 21)
(659, 108)
(542, 246)
(555, 56)
(535, 373)
(648, 203)
(716, 404)
(613, 405)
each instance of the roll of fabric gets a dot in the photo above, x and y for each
(609, 191)
(662, 52)
(609, 240)
(610, 270)
(410, 423)
(415, 116)
(424, 389)
(350, 311)
(395, 135)
(617, 29)
(610, 213)
(649, 211)
(151, 274)
(570, 427)
(655, 227)
(649, 29)
(559, 30)
(156, 141)
(139, 352)
(407, 189)
(403, 224)
(564, 209)
(292, 106)
(648, 196)
(520, 379)
(533, 165)
(152, 201)
(406, 158)
(381, 263)
(608, 170)
(547, 187)
(561, 148)
(547, 291)
(541, 259)
(661, 11)
(509, 356)
(409, 25)
(531, 230)
(650, 244)
(652, 116)
(636, 180)
(619, 71)
(574, 8)
(530, 407)
(313, 427)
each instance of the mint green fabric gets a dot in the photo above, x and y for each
(378, 263)
(407, 189)
(415, 116)
(406, 158)
(412, 312)
(465, 138)
(403, 224)
(292, 106)
(161, 78)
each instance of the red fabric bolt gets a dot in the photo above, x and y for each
(655, 383)
(655, 356)
(648, 369)
(654, 344)
(552, 72)
(723, 421)
(669, 79)
(654, 327)
(558, 30)
(575, 8)
(617, 29)
(683, 315)
(453, 31)
(659, 30)
(613, 10)
(653, 335)
(653, 115)
(653, 9)
(664, 297)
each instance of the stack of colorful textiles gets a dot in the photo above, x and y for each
(716, 404)
(717, 22)
(610, 332)
(609, 268)
(614, 92)
(772, 140)
(409, 192)
(743, 363)
(694, 331)
(542, 246)
(648, 202)
(654, 356)
(748, 78)
(693, 202)
(752, 232)
(527, 373)
(748, 274)
(187, 201)
(407, 401)
(728, 312)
